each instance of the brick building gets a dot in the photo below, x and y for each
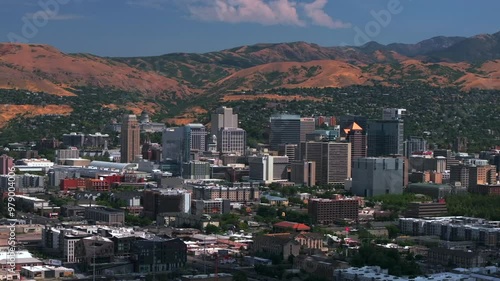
(327, 211)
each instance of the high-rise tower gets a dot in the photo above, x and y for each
(130, 139)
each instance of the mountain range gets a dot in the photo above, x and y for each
(464, 63)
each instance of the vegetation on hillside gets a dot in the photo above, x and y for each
(439, 114)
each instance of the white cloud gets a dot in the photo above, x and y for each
(315, 11)
(265, 12)
(252, 11)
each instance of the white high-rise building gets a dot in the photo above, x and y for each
(230, 138)
(232, 141)
(223, 118)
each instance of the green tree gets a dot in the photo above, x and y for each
(393, 231)
(240, 276)
(212, 229)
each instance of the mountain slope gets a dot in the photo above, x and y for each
(424, 47)
(478, 48)
(45, 69)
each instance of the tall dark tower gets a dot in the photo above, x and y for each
(357, 137)
(130, 139)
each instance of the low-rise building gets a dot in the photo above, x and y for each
(310, 240)
(218, 206)
(105, 215)
(287, 226)
(428, 209)
(94, 249)
(435, 191)
(159, 255)
(22, 258)
(485, 189)
(327, 211)
(280, 244)
(46, 272)
(457, 258)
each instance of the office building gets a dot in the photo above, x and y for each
(6, 164)
(426, 209)
(289, 150)
(385, 137)
(285, 129)
(346, 121)
(158, 255)
(232, 141)
(418, 163)
(223, 118)
(486, 189)
(333, 160)
(74, 139)
(196, 170)
(25, 183)
(328, 211)
(415, 144)
(376, 176)
(70, 153)
(303, 173)
(393, 113)
(234, 194)
(460, 258)
(94, 249)
(217, 206)
(130, 139)
(267, 168)
(28, 154)
(357, 137)
(166, 201)
(307, 126)
(172, 144)
(108, 216)
(96, 140)
(470, 176)
(194, 141)
(151, 151)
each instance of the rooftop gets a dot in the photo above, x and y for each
(112, 165)
(293, 225)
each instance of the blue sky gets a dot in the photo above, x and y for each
(154, 27)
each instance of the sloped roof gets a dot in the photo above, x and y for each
(353, 127)
(293, 225)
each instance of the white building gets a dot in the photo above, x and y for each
(267, 168)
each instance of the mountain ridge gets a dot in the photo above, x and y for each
(442, 61)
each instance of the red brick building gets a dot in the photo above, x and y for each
(327, 211)
(485, 189)
(72, 184)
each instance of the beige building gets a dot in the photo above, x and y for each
(303, 173)
(130, 139)
(333, 160)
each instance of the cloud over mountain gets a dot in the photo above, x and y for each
(264, 12)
